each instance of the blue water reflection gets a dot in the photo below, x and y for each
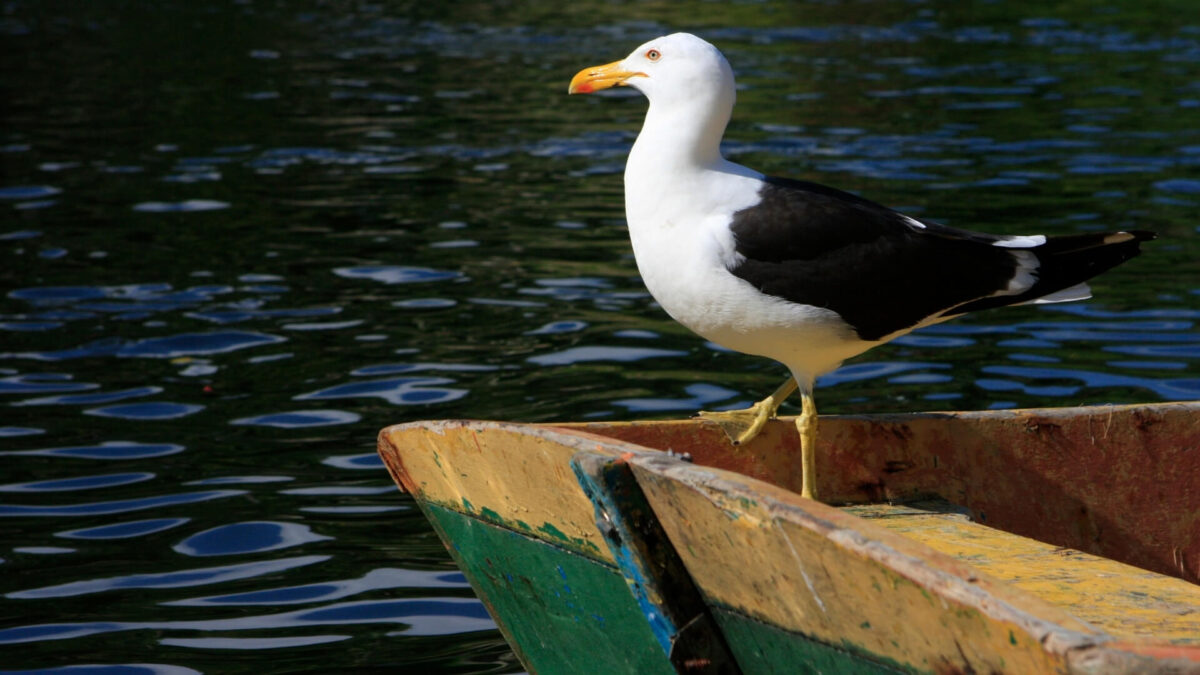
(253, 537)
(126, 530)
(394, 274)
(41, 383)
(92, 399)
(240, 480)
(299, 419)
(397, 391)
(80, 483)
(1171, 389)
(191, 344)
(28, 191)
(116, 506)
(113, 669)
(105, 450)
(10, 432)
(176, 579)
(146, 411)
(259, 643)
(700, 396)
(188, 205)
(368, 460)
(375, 580)
(602, 353)
(441, 616)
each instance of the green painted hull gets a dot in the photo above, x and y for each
(763, 649)
(562, 612)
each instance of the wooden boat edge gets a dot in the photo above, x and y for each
(1080, 647)
(1106, 654)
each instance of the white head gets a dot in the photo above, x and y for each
(688, 82)
(667, 70)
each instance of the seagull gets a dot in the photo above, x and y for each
(794, 271)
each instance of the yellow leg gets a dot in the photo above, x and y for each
(743, 425)
(806, 424)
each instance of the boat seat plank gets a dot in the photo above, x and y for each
(1119, 599)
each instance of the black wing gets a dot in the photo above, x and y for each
(882, 271)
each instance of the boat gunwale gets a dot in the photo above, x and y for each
(909, 557)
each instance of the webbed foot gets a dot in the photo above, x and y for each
(741, 426)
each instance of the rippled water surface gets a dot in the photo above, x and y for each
(239, 238)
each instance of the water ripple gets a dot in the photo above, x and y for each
(186, 206)
(252, 643)
(81, 483)
(127, 530)
(396, 368)
(174, 346)
(602, 353)
(699, 396)
(199, 576)
(299, 419)
(1175, 389)
(146, 411)
(116, 506)
(11, 432)
(1174, 351)
(240, 314)
(322, 325)
(394, 274)
(240, 480)
(397, 391)
(869, 371)
(28, 191)
(340, 490)
(41, 383)
(113, 669)
(422, 616)
(91, 399)
(105, 450)
(30, 326)
(247, 537)
(557, 327)
(375, 580)
(368, 460)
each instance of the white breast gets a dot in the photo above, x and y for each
(684, 250)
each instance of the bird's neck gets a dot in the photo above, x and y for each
(679, 138)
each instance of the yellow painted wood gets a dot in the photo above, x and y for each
(518, 476)
(811, 569)
(1121, 600)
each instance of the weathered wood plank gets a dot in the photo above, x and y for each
(516, 476)
(670, 602)
(809, 569)
(1122, 482)
(1120, 600)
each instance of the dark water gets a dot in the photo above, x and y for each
(239, 238)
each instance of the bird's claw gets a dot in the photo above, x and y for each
(741, 426)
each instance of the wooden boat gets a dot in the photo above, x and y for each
(1034, 541)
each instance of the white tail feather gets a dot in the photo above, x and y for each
(1076, 292)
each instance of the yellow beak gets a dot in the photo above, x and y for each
(600, 77)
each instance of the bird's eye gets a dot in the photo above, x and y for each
(653, 55)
